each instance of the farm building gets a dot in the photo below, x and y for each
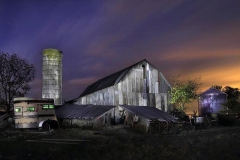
(210, 101)
(72, 116)
(140, 85)
(146, 118)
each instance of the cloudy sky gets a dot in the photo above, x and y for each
(190, 38)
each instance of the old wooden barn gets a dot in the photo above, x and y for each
(140, 84)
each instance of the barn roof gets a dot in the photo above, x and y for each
(71, 111)
(109, 80)
(212, 91)
(112, 80)
(150, 113)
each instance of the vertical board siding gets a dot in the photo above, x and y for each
(129, 91)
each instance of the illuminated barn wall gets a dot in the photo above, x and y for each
(52, 75)
(211, 101)
(138, 85)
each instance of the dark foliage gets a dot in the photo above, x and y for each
(15, 75)
(233, 98)
(226, 120)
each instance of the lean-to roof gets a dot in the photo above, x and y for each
(71, 111)
(150, 113)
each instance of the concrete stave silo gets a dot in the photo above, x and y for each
(52, 75)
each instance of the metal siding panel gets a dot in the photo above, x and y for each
(137, 99)
(156, 87)
(116, 98)
(140, 82)
(140, 99)
(120, 94)
(134, 81)
(158, 101)
(166, 104)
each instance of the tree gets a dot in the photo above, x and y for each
(217, 87)
(15, 74)
(233, 98)
(183, 92)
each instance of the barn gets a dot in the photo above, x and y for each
(140, 84)
(211, 101)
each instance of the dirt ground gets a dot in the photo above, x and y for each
(119, 142)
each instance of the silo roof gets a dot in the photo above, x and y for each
(212, 91)
(52, 53)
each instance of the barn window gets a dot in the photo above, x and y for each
(30, 109)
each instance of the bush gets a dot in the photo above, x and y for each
(226, 120)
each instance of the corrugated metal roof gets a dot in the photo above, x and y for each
(150, 113)
(212, 91)
(109, 80)
(71, 111)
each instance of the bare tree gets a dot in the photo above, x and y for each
(15, 75)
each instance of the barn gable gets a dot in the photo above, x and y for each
(140, 84)
(117, 77)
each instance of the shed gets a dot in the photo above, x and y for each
(141, 117)
(211, 101)
(71, 115)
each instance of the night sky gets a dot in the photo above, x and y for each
(190, 38)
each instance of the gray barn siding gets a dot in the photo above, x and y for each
(101, 97)
(129, 91)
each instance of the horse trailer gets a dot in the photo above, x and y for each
(34, 113)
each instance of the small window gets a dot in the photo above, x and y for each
(31, 109)
(51, 106)
(45, 106)
(48, 106)
(17, 109)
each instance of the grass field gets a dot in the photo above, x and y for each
(120, 142)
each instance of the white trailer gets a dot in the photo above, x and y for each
(34, 113)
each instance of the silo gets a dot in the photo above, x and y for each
(211, 101)
(52, 75)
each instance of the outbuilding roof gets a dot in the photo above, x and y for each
(71, 111)
(212, 91)
(150, 113)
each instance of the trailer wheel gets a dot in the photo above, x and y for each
(46, 126)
